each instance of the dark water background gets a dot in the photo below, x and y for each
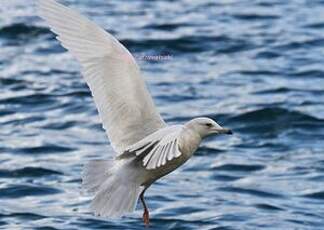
(254, 66)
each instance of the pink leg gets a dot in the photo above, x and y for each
(146, 215)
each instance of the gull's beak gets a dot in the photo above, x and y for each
(223, 131)
(228, 131)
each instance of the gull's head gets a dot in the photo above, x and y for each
(205, 126)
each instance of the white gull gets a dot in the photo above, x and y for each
(146, 147)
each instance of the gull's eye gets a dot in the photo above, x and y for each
(209, 125)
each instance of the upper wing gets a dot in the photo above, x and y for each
(122, 99)
(158, 148)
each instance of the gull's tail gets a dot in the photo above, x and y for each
(115, 193)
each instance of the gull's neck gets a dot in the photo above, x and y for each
(189, 140)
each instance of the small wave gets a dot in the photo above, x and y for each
(206, 151)
(250, 191)
(268, 54)
(272, 121)
(304, 222)
(258, 73)
(44, 149)
(175, 98)
(274, 91)
(52, 71)
(221, 44)
(319, 25)
(317, 178)
(17, 191)
(270, 3)
(166, 26)
(283, 90)
(12, 81)
(24, 216)
(3, 223)
(275, 114)
(221, 177)
(315, 195)
(308, 73)
(315, 42)
(6, 112)
(250, 17)
(268, 207)
(32, 99)
(78, 94)
(239, 167)
(60, 125)
(21, 31)
(23, 121)
(28, 172)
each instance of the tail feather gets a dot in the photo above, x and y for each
(95, 173)
(115, 195)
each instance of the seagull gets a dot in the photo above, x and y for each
(146, 147)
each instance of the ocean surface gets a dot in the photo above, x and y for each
(255, 66)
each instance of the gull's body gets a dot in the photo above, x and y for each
(159, 165)
(146, 147)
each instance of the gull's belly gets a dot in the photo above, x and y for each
(151, 175)
(188, 144)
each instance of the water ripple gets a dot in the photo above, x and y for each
(18, 191)
(28, 172)
(239, 167)
(22, 31)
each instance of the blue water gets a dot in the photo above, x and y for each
(255, 66)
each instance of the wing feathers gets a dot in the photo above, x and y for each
(161, 154)
(163, 147)
(122, 99)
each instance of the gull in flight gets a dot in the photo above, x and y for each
(146, 147)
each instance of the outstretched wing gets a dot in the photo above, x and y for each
(125, 106)
(158, 148)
